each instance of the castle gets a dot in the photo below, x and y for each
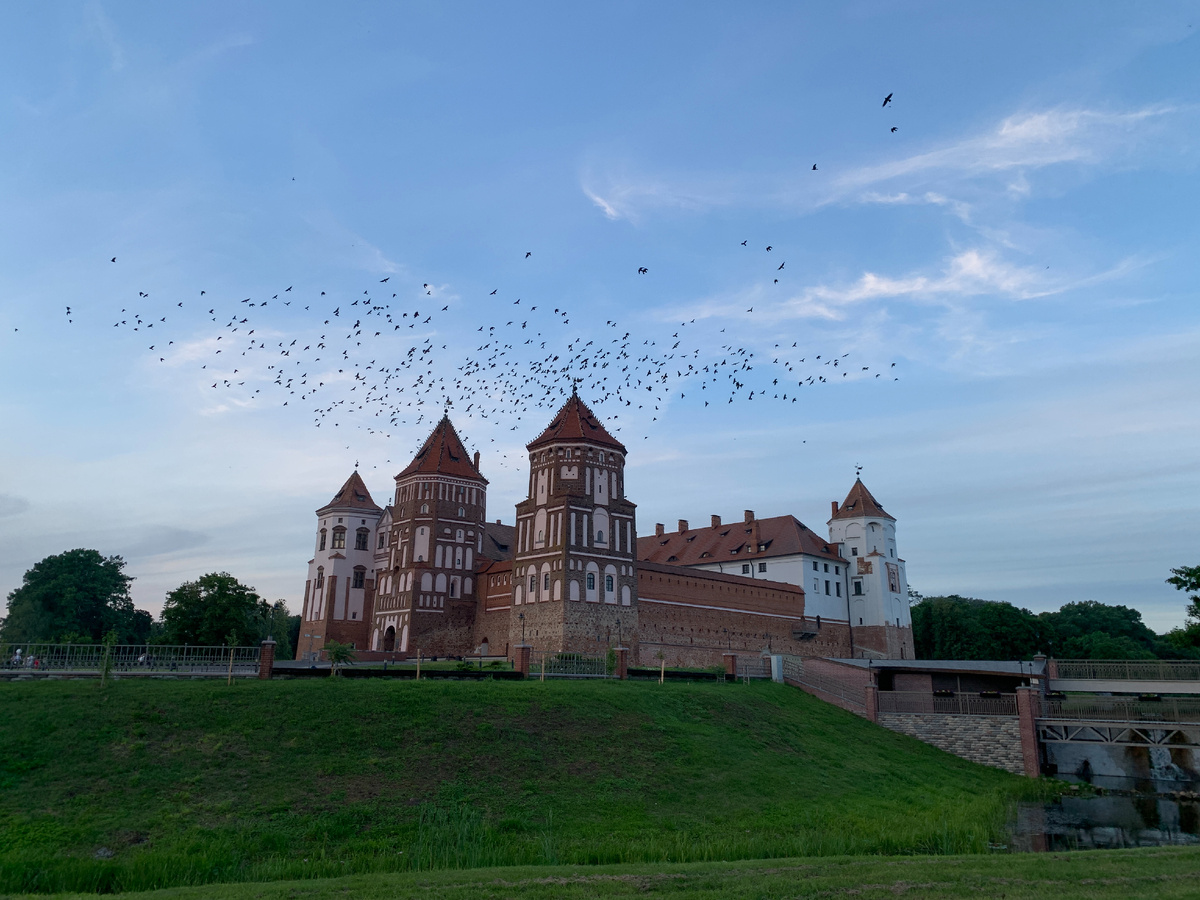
(429, 573)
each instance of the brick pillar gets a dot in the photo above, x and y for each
(871, 701)
(1051, 667)
(622, 663)
(266, 659)
(1028, 701)
(521, 658)
(730, 663)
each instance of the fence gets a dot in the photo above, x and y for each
(1114, 709)
(1128, 669)
(126, 659)
(795, 672)
(756, 666)
(569, 665)
(957, 705)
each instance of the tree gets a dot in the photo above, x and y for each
(206, 611)
(1187, 578)
(955, 627)
(1093, 630)
(339, 655)
(78, 595)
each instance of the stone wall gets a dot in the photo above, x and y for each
(990, 740)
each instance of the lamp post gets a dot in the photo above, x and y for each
(521, 616)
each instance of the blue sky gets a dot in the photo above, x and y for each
(1023, 247)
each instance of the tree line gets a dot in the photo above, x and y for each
(81, 596)
(954, 627)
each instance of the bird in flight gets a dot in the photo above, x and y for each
(528, 253)
(743, 243)
(642, 270)
(887, 99)
(893, 129)
(814, 168)
(114, 259)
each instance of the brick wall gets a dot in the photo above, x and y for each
(692, 617)
(990, 740)
(840, 680)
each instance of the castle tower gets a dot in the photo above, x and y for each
(427, 557)
(339, 592)
(574, 575)
(878, 587)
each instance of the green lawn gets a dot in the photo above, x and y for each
(1163, 874)
(191, 782)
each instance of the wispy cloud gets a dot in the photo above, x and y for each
(99, 28)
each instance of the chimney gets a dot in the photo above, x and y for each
(498, 522)
(749, 516)
(476, 460)
(716, 521)
(833, 503)
(659, 529)
(682, 525)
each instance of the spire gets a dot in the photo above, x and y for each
(575, 422)
(443, 454)
(859, 503)
(353, 495)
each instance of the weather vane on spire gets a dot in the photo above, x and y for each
(857, 470)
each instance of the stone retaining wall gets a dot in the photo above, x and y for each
(990, 740)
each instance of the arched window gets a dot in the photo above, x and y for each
(321, 546)
(591, 581)
(320, 577)
(339, 539)
(424, 507)
(600, 536)
(361, 538)
(461, 512)
(532, 583)
(546, 581)
(360, 578)
(608, 584)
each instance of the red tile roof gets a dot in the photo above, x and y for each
(353, 495)
(443, 454)
(860, 503)
(778, 536)
(575, 422)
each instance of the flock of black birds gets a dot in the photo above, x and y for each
(374, 361)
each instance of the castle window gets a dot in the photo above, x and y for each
(322, 544)
(361, 538)
(838, 588)
(827, 592)
(837, 570)
(545, 581)
(599, 537)
(762, 567)
(858, 587)
(745, 568)
(461, 512)
(891, 552)
(591, 581)
(424, 507)
(608, 583)
(854, 551)
(532, 583)
(359, 581)
(339, 539)
(816, 568)
(382, 540)
(826, 567)
(320, 577)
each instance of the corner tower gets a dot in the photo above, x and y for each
(880, 621)
(339, 592)
(427, 557)
(574, 567)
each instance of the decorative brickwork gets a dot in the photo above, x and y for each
(989, 740)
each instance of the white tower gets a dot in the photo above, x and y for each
(878, 588)
(341, 576)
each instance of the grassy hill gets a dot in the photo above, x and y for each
(158, 783)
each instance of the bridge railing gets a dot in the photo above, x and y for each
(132, 659)
(922, 702)
(1117, 709)
(1128, 669)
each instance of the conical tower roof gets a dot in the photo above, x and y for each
(443, 454)
(859, 503)
(575, 422)
(353, 495)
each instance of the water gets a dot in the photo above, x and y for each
(1107, 822)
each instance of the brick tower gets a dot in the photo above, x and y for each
(426, 596)
(574, 575)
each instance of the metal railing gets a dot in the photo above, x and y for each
(755, 666)
(1117, 709)
(921, 702)
(544, 664)
(127, 659)
(1129, 669)
(795, 671)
